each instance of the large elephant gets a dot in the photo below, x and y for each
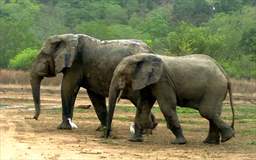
(195, 81)
(85, 62)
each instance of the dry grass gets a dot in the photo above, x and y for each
(244, 86)
(22, 77)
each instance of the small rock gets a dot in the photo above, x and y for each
(84, 106)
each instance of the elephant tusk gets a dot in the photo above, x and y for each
(119, 96)
(132, 128)
(73, 125)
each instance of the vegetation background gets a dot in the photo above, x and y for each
(223, 29)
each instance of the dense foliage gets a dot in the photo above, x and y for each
(223, 29)
(24, 59)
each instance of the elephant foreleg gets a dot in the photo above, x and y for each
(148, 103)
(166, 99)
(174, 125)
(99, 103)
(69, 89)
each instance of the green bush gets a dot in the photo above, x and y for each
(187, 39)
(242, 66)
(24, 59)
(103, 30)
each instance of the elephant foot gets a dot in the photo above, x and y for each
(149, 131)
(106, 133)
(227, 134)
(136, 138)
(67, 124)
(211, 141)
(213, 138)
(101, 128)
(136, 134)
(180, 140)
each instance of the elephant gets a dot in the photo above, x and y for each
(196, 81)
(85, 62)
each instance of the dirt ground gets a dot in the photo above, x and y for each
(22, 139)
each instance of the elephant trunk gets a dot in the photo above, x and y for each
(35, 84)
(114, 94)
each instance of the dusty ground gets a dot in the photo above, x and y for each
(29, 139)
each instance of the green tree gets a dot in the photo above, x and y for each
(49, 21)
(132, 6)
(98, 29)
(24, 59)
(187, 39)
(227, 5)
(223, 29)
(104, 30)
(157, 22)
(120, 31)
(248, 41)
(192, 11)
(155, 26)
(230, 28)
(115, 13)
(16, 19)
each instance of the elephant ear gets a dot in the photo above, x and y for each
(148, 70)
(63, 49)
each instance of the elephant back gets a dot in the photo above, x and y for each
(135, 46)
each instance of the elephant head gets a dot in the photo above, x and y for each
(134, 73)
(57, 53)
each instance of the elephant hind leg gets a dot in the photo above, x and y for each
(217, 126)
(213, 135)
(99, 103)
(225, 130)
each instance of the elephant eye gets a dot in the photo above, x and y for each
(57, 46)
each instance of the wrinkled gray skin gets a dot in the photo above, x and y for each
(195, 81)
(85, 62)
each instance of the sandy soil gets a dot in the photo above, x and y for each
(22, 139)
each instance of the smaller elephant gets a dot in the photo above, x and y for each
(195, 81)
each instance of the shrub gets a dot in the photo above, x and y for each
(24, 59)
(187, 39)
(242, 66)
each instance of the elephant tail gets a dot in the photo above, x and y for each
(231, 103)
(230, 93)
